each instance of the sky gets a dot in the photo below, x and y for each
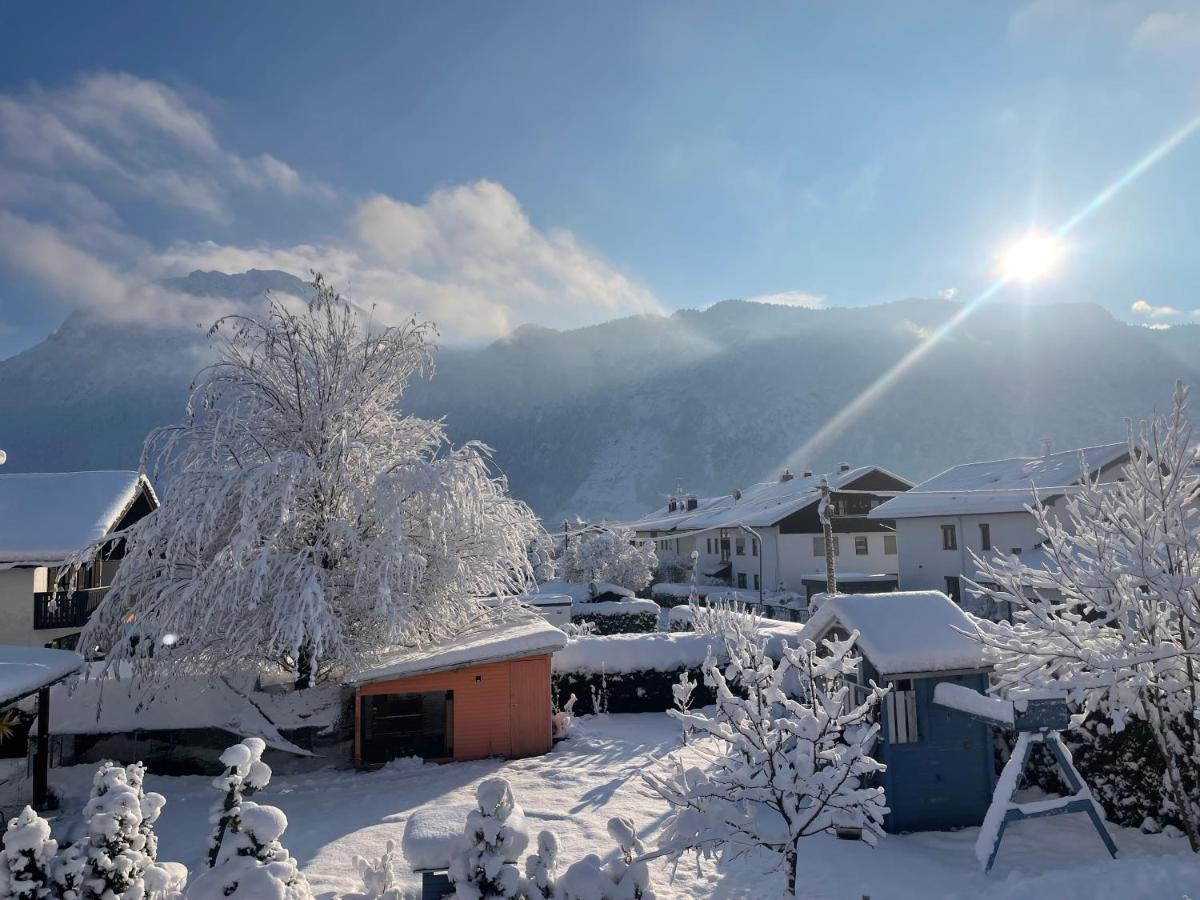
(485, 165)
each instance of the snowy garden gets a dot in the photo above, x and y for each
(324, 566)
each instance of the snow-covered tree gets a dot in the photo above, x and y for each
(541, 869)
(627, 877)
(27, 856)
(245, 774)
(481, 871)
(304, 518)
(611, 555)
(252, 863)
(542, 555)
(380, 880)
(119, 848)
(783, 757)
(1115, 618)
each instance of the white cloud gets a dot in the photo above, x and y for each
(1156, 326)
(1168, 32)
(467, 258)
(1165, 28)
(791, 298)
(132, 137)
(1142, 308)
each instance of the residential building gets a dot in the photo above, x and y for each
(768, 537)
(46, 520)
(980, 507)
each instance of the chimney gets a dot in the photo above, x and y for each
(737, 493)
(692, 502)
(671, 505)
(786, 476)
(1047, 447)
(808, 473)
(844, 467)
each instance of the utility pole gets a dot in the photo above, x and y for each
(827, 529)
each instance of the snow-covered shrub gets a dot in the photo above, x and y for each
(611, 555)
(304, 518)
(379, 878)
(783, 757)
(542, 554)
(673, 567)
(119, 849)
(724, 616)
(612, 620)
(1113, 620)
(27, 856)
(561, 721)
(252, 863)
(480, 871)
(245, 774)
(624, 878)
(541, 869)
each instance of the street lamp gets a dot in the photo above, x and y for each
(761, 549)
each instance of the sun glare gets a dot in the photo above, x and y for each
(1031, 258)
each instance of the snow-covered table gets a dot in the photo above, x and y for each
(434, 834)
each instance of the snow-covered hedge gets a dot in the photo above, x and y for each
(618, 616)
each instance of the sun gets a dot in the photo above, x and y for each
(1031, 257)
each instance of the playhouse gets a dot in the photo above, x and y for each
(486, 693)
(940, 771)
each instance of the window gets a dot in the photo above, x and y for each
(1015, 551)
(985, 536)
(949, 538)
(819, 546)
(741, 579)
(708, 546)
(756, 584)
(724, 549)
(740, 546)
(396, 725)
(889, 544)
(754, 546)
(900, 708)
(861, 548)
(953, 588)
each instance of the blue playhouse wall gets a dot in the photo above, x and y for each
(945, 778)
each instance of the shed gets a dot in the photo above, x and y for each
(32, 670)
(940, 770)
(852, 583)
(484, 693)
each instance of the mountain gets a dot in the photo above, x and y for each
(603, 421)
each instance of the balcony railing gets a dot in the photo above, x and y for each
(63, 609)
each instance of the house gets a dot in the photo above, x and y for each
(46, 519)
(980, 507)
(481, 694)
(940, 772)
(768, 537)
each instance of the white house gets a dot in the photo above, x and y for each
(768, 537)
(45, 520)
(980, 507)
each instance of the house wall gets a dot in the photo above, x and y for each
(17, 587)
(488, 700)
(799, 561)
(924, 565)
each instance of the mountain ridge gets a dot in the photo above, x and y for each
(603, 421)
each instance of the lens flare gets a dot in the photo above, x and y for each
(1031, 258)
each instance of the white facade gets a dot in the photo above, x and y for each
(17, 587)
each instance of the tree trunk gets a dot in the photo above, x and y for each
(791, 860)
(306, 676)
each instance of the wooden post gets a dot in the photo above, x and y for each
(827, 530)
(41, 755)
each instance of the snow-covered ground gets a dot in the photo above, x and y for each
(595, 775)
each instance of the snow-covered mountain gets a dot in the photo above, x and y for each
(603, 421)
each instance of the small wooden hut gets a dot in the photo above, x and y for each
(482, 694)
(940, 770)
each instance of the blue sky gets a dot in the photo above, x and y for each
(489, 164)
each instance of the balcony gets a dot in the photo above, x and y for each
(63, 609)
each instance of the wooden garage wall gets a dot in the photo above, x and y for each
(487, 703)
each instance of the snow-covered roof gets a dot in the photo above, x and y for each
(522, 636)
(862, 577)
(1002, 485)
(757, 506)
(47, 517)
(24, 670)
(907, 632)
(577, 591)
(105, 704)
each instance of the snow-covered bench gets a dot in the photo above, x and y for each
(434, 834)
